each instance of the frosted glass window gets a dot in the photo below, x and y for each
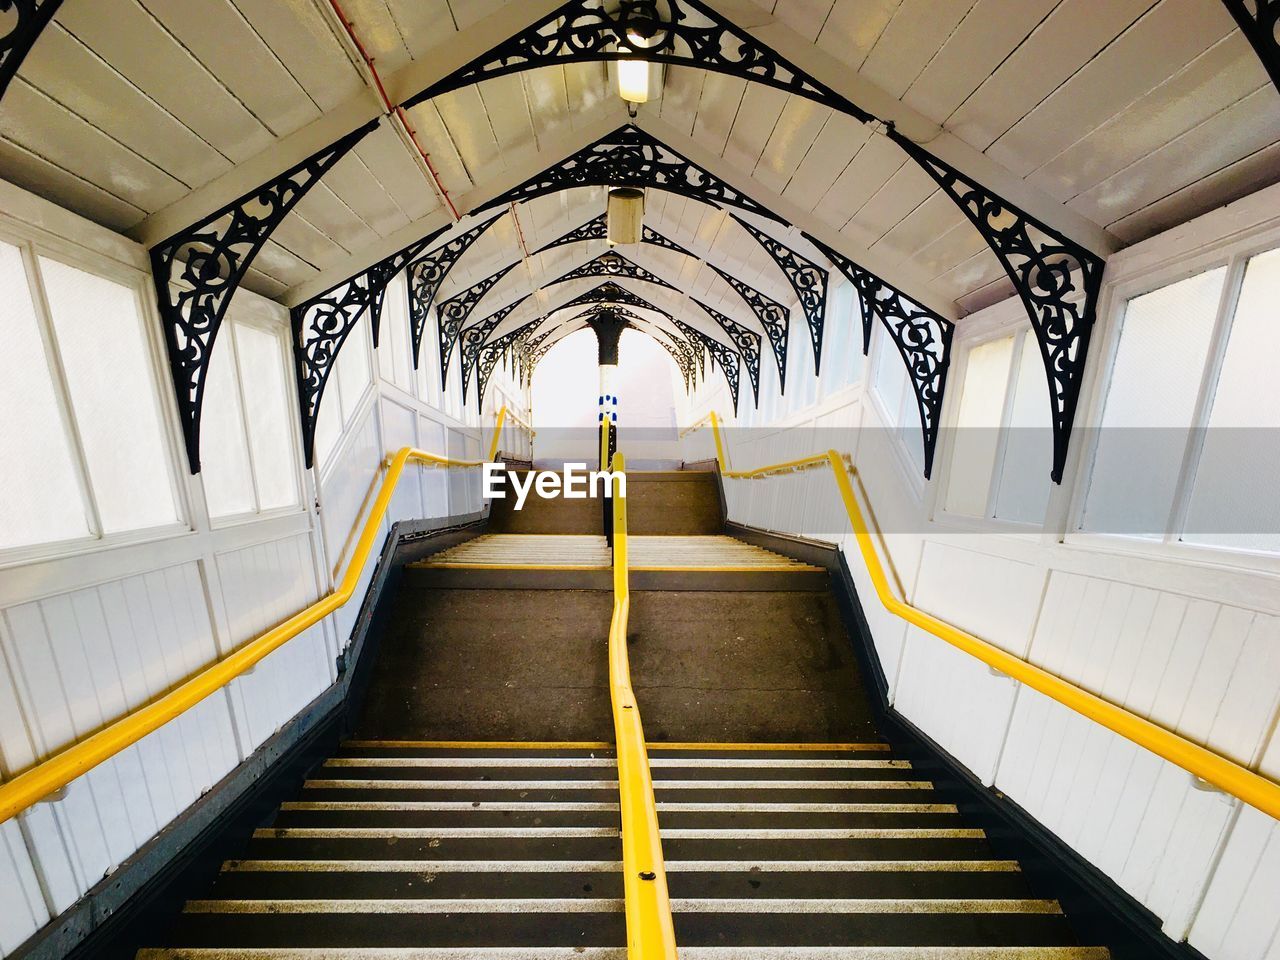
(977, 437)
(1234, 500)
(352, 370)
(1028, 454)
(394, 360)
(224, 453)
(891, 374)
(1150, 404)
(42, 501)
(113, 391)
(266, 397)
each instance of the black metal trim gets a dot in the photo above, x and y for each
(611, 264)
(1041, 262)
(807, 279)
(629, 157)
(597, 228)
(474, 337)
(923, 339)
(29, 18)
(729, 360)
(681, 32)
(453, 313)
(208, 260)
(427, 273)
(747, 341)
(490, 354)
(773, 316)
(1259, 21)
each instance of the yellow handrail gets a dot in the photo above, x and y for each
(53, 774)
(503, 414)
(1227, 775)
(650, 932)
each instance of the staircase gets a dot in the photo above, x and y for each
(414, 851)
(476, 815)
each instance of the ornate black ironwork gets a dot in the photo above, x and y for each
(475, 336)
(598, 229)
(453, 313)
(428, 273)
(612, 264)
(687, 360)
(1259, 20)
(26, 20)
(629, 157)
(923, 339)
(684, 32)
(747, 341)
(492, 352)
(322, 324)
(611, 292)
(198, 270)
(728, 359)
(1041, 262)
(773, 316)
(807, 279)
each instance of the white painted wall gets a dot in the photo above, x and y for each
(1188, 638)
(87, 633)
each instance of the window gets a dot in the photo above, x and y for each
(83, 447)
(842, 340)
(348, 382)
(1190, 441)
(896, 395)
(395, 362)
(1003, 442)
(248, 446)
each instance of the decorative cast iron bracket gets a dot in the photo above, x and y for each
(729, 360)
(629, 157)
(807, 279)
(491, 353)
(773, 316)
(747, 342)
(612, 264)
(474, 337)
(27, 20)
(598, 229)
(198, 270)
(1259, 20)
(453, 313)
(923, 339)
(427, 273)
(1043, 265)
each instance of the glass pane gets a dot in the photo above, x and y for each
(224, 452)
(986, 380)
(111, 378)
(891, 373)
(262, 370)
(352, 369)
(1233, 502)
(42, 502)
(1028, 451)
(395, 332)
(1150, 403)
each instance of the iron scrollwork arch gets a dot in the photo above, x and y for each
(427, 273)
(632, 158)
(453, 313)
(1042, 264)
(612, 264)
(773, 316)
(198, 270)
(27, 19)
(598, 229)
(728, 359)
(474, 337)
(807, 279)
(1259, 21)
(747, 342)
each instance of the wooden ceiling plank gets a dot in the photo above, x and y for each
(467, 122)
(792, 139)
(324, 210)
(873, 165)
(991, 31)
(69, 72)
(833, 150)
(305, 241)
(805, 17)
(898, 198)
(352, 182)
(127, 37)
(1227, 72)
(281, 265)
(547, 98)
(393, 166)
(949, 249)
(231, 50)
(1064, 42)
(33, 172)
(508, 111)
(681, 95)
(433, 134)
(934, 217)
(1239, 179)
(1241, 130)
(262, 284)
(722, 97)
(299, 35)
(467, 13)
(853, 27)
(46, 128)
(380, 33)
(586, 85)
(424, 25)
(1146, 55)
(978, 271)
(754, 125)
(917, 31)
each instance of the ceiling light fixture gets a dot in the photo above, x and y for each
(625, 215)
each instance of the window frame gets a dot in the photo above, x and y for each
(1232, 252)
(34, 243)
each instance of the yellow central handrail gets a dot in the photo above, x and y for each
(56, 772)
(1227, 775)
(650, 931)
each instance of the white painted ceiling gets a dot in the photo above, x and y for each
(1134, 115)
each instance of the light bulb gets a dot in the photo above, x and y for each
(633, 80)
